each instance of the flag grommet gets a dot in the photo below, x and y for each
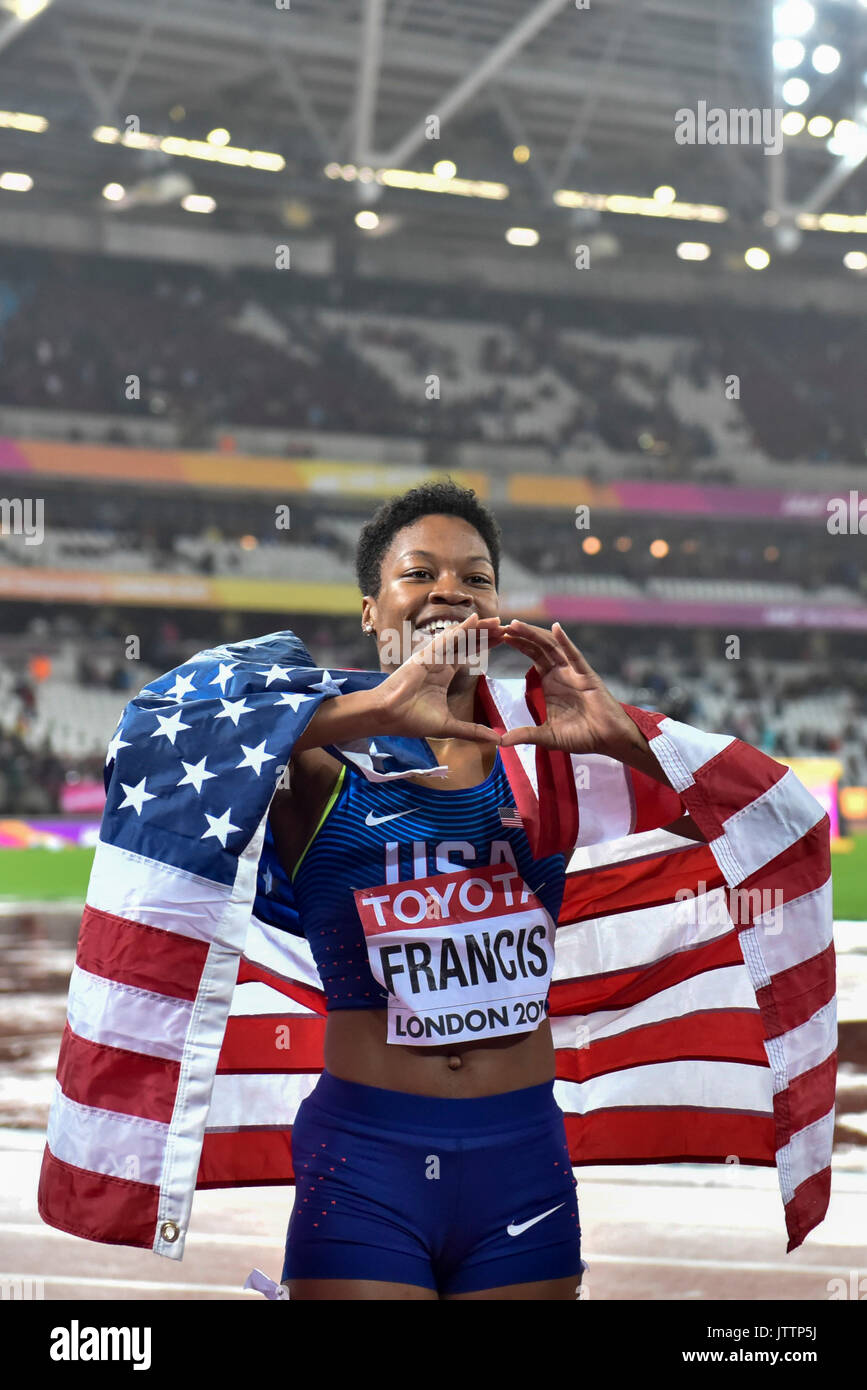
(170, 1231)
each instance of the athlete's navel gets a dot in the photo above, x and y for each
(455, 1062)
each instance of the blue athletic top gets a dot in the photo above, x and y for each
(373, 833)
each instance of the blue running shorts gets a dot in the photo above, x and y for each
(450, 1194)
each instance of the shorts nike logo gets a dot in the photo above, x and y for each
(371, 820)
(525, 1225)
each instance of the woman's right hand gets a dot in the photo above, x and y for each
(413, 701)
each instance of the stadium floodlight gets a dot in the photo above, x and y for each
(788, 54)
(445, 169)
(368, 221)
(794, 18)
(521, 153)
(826, 58)
(665, 193)
(332, 170)
(848, 140)
(113, 192)
(757, 258)
(218, 136)
(25, 9)
(693, 250)
(591, 545)
(793, 123)
(23, 120)
(820, 126)
(16, 183)
(658, 549)
(855, 260)
(198, 202)
(522, 236)
(795, 91)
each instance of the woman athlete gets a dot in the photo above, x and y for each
(433, 1171)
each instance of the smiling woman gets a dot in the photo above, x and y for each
(434, 1129)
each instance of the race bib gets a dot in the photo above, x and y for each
(462, 955)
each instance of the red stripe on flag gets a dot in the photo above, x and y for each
(808, 1207)
(637, 883)
(525, 798)
(246, 1158)
(672, 1134)
(308, 995)
(802, 868)
(113, 1078)
(735, 777)
(806, 1099)
(555, 777)
(127, 1209)
(794, 995)
(656, 804)
(722, 1035)
(621, 988)
(141, 956)
(273, 1043)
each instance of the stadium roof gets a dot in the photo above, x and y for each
(591, 88)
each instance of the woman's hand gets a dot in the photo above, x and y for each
(413, 701)
(582, 714)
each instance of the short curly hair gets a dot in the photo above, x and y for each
(443, 498)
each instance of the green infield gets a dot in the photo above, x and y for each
(42, 875)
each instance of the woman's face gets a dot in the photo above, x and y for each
(436, 571)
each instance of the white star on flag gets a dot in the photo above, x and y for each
(224, 674)
(116, 743)
(277, 673)
(255, 757)
(219, 827)
(182, 686)
(292, 698)
(195, 774)
(170, 727)
(233, 709)
(328, 685)
(135, 796)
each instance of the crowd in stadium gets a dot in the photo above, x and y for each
(251, 348)
(764, 698)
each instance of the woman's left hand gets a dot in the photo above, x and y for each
(582, 714)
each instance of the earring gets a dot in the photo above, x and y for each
(366, 627)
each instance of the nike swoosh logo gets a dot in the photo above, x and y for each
(371, 820)
(525, 1225)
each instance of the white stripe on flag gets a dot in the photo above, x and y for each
(800, 930)
(509, 696)
(608, 812)
(104, 1141)
(726, 988)
(281, 952)
(772, 823)
(116, 1015)
(701, 1085)
(199, 1062)
(807, 1152)
(255, 998)
(240, 1100)
(804, 1047)
(144, 890)
(686, 749)
(638, 938)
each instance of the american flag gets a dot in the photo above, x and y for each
(686, 1028)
